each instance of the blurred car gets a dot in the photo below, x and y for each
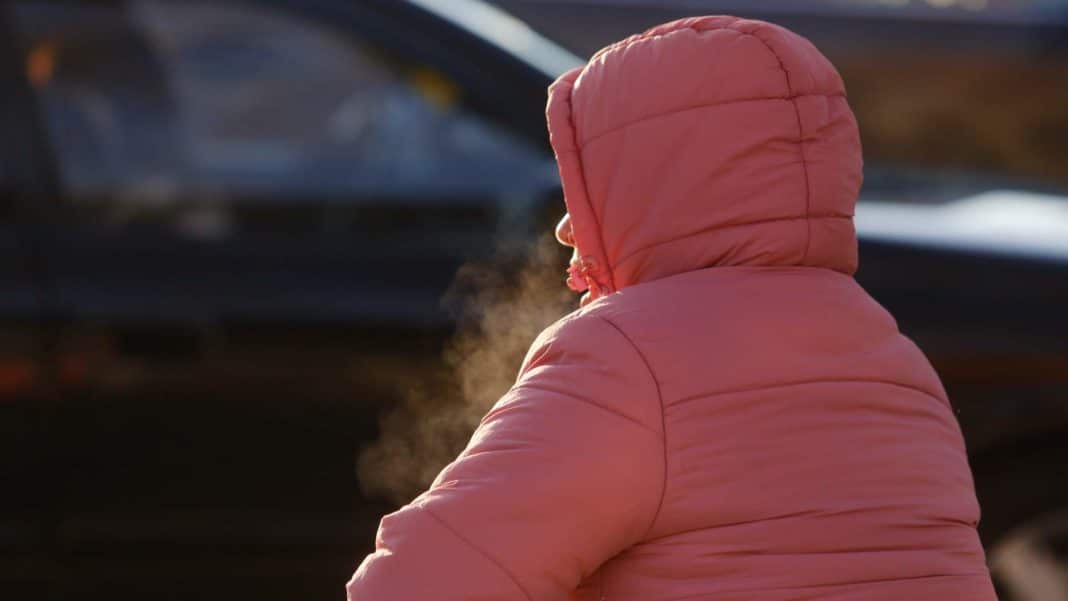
(227, 226)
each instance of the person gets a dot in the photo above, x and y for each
(728, 416)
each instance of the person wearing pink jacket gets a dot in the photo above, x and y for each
(728, 416)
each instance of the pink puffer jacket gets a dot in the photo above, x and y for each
(729, 417)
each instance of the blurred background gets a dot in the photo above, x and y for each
(264, 263)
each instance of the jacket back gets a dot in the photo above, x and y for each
(810, 451)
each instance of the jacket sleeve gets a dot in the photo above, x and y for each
(565, 471)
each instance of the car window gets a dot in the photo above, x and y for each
(156, 107)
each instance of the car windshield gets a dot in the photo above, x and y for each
(154, 104)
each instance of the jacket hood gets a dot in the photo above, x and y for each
(708, 141)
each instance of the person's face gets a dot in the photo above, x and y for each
(576, 279)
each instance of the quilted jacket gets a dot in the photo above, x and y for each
(729, 416)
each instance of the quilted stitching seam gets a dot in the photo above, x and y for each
(663, 421)
(725, 226)
(800, 140)
(705, 105)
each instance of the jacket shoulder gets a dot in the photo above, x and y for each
(591, 359)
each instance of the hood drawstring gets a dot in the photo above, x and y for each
(580, 276)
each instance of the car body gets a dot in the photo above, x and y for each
(228, 227)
